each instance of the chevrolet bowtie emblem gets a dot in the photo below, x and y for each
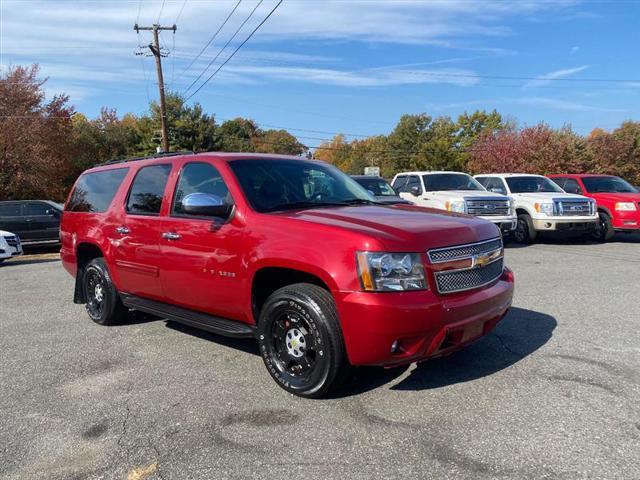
(485, 258)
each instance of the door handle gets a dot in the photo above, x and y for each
(122, 230)
(171, 236)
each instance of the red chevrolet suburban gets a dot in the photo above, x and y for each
(617, 200)
(290, 251)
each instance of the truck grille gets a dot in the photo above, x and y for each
(574, 208)
(485, 265)
(487, 207)
(12, 241)
(460, 280)
(462, 252)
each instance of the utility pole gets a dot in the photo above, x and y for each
(155, 50)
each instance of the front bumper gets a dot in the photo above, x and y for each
(424, 324)
(8, 251)
(505, 224)
(565, 224)
(626, 220)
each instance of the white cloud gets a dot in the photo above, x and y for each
(575, 49)
(549, 77)
(557, 104)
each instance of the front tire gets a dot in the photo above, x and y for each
(301, 340)
(604, 230)
(103, 303)
(524, 232)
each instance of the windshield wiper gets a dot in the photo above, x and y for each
(361, 201)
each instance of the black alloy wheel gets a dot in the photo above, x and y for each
(103, 303)
(604, 230)
(301, 341)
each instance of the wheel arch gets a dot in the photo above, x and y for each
(85, 252)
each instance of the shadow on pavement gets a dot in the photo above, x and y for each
(517, 336)
(26, 260)
(564, 239)
(247, 345)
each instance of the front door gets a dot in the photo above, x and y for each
(201, 256)
(44, 221)
(11, 219)
(136, 234)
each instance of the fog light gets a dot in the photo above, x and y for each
(394, 346)
(547, 225)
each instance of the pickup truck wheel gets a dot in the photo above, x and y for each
(524, 232)
(604, 230)
(103, 302)
(301, 341)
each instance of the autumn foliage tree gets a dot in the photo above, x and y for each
(35, 152)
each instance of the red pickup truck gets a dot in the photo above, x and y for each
(289, 251)
(618, 201)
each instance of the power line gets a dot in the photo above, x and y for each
(211, 39)
(161, 9)
(180, 12)
(225, 46)
(238, 48)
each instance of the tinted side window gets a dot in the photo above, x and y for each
(414, 181)
(147, 190)
(560, 181)
(10, 210)
(496, 185)
(95, 191)
(33, 209)
(198, 178)
(570, 186)
(399, 183)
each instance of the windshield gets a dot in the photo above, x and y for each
(607, 185)
(450, 181)
(281, 184)
(378, 186)
(532, 184)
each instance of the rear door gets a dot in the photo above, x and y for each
(43, 221)
(136, 234)
(11, 219)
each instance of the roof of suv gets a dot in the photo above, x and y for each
(579, 175)
(431, 172)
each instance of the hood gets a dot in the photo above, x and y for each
(393, 199)
(548, 196)
(460, 194)
(401, 227)
(617, 197)
(4, 233)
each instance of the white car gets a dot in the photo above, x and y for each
(542, 206)
(456, 192)
(10, 245)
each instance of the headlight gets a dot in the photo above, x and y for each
(626, 206)
(379, 271)
(546, 208)
(512, 206)
(457, 206)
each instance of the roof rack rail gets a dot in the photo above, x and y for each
(156, 155)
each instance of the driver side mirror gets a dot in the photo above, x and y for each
(52, 212)
(205, 205)
(415, 191)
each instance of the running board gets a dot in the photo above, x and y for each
(204, 321)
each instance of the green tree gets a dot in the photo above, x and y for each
(278, 141)
(238, 135)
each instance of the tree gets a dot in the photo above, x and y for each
(278, 141)
(238, 135)
(35, 153)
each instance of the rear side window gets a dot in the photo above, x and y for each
(147, 190)
(10, 210)
(199, 178)
(95, 191)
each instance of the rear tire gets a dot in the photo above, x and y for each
(524, 232)
(301, 340)
(604, 230)
(103, 303)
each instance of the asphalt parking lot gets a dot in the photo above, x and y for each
(553, 393)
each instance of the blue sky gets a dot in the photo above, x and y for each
(349, 66)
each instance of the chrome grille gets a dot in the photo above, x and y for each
(461, 252)
(12, 241)
(574, 208)
(459, 280)
(487, 207)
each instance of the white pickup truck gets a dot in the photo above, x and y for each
(542, 206)
(456, 192)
